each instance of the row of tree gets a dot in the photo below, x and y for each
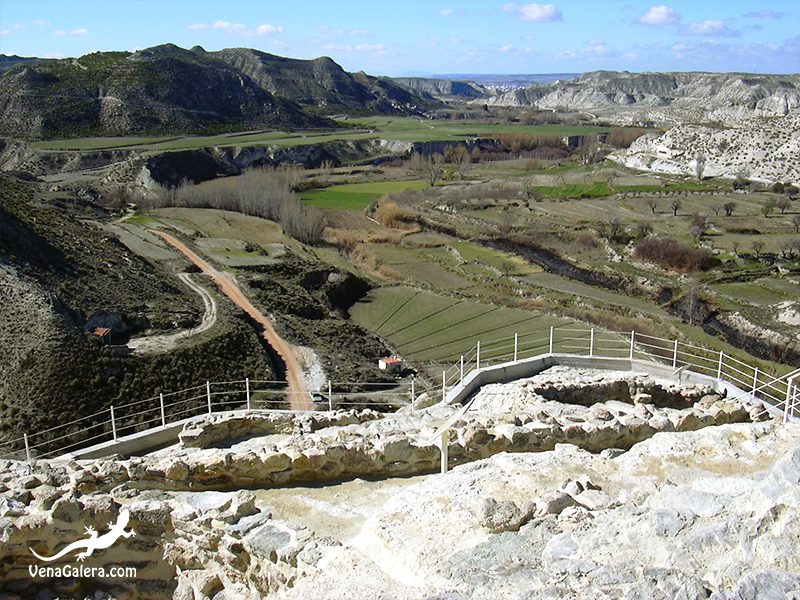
(266, 193)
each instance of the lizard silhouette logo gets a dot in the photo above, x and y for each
(95, 541)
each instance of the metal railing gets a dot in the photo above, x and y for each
(168, 408)
(778, 393)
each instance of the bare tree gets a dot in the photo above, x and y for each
(699, 166)
(653, 204)
(612, 229)
(675, 205)
(461, 158)
(757, 246)
(782, 204)
(434, 166)
(588, 148)
(796, 223)
(729, 207)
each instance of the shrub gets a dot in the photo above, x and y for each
(669, 254)
(389, 214)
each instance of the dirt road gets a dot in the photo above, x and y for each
(292, 357)
(164, 343)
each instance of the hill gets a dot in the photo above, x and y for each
(443, 88)
(167, 89)
(666, 97)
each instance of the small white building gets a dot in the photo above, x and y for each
(390, 365)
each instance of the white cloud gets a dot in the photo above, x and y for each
(59, 32)
(358, 32)
(658, 16)
(228, 27)
(79, 32)
(540, 13)
(765, 14)
(596, 43)
(446, 12)
(19, 26)
(263, 30)
(455, 40)
(374, 49)
(566, 54)
(41, 23)
(708, 28)
(507, 48)
(5, 32)
(238, 29)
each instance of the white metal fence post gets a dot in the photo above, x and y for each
(675, 356)
(755, 383)
(163, 414)
(516, 346)
(113, 425)
(330, 396)
(551, 339)
(444, 385)
(478, 356)
(27, 448)
(788, 399)
(591, 343)
(247, 390)
(208, 395)
(462, 369)
(633, 338)
(444, 449)
(719, 369)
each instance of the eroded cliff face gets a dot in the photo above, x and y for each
(666, 98)
(759, 148)
(545, 503)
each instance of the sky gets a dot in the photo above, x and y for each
(427, 37)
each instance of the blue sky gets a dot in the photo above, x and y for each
(398, 37)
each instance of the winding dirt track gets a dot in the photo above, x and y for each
(163, 343)
(299, 398)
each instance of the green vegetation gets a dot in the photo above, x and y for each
(356, 196)
(435, 328)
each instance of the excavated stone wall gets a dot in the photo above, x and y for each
(198, 535)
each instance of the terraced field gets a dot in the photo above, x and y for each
(433, 329)
(356, 196)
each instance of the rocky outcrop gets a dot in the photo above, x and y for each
(550, 503)
(762, 149)
(666, 97)
(443, 88)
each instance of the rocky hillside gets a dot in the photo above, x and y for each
(168, 89)
(62, 275)
(321, 83)
(760, 148)
(666, 97)
(443, 88)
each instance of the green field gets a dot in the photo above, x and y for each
(406, 129)
(415, 129)
(433, 328)
(598, 188)
(356, 196)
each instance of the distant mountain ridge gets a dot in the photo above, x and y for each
(696, 93)
(167, 89)
(437, 88)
